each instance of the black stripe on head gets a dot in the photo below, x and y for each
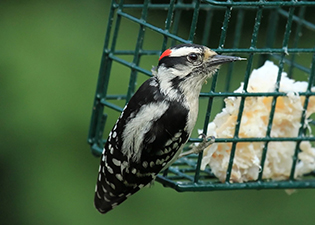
(170, 62)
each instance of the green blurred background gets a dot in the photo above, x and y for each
(49, 59)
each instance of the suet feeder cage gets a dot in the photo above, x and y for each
(280, 31)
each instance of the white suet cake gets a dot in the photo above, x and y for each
(286, 123)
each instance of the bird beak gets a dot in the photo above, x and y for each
(220, 59)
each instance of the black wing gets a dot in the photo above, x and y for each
(119, 177)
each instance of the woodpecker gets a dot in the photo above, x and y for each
(155, 125)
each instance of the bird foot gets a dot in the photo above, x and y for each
(199, 148)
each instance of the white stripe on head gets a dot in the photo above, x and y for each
(184, 51)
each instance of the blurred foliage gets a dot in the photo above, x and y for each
(49, 60)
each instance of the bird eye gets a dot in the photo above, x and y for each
(192, 57)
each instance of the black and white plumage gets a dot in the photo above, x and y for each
(156, 123)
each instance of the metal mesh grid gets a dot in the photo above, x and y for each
(257, 30)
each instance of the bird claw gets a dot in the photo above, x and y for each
(199, 148)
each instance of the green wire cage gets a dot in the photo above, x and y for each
(281, 31)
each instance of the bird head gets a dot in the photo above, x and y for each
(187, 66)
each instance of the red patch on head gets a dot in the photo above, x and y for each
(167, 52)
